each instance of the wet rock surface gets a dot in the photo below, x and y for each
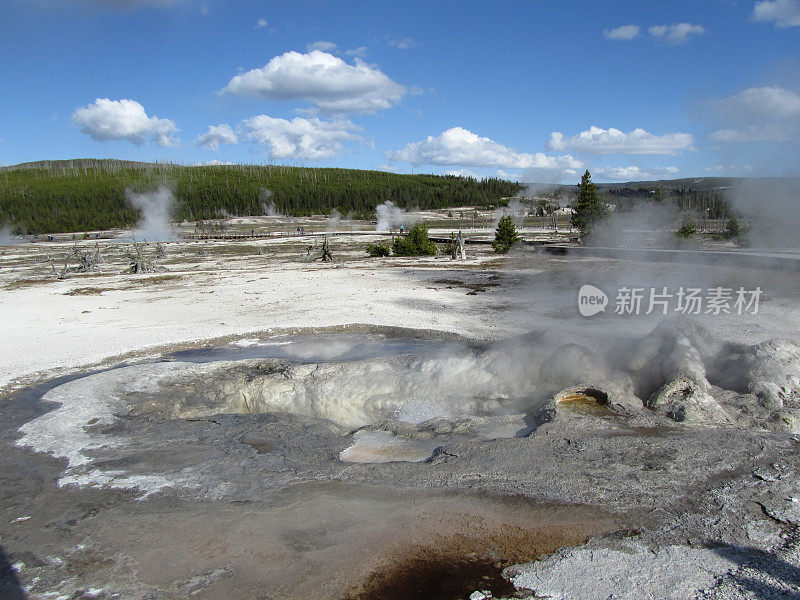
(688, 456)
(383, 447)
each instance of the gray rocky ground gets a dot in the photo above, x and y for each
(184, 479)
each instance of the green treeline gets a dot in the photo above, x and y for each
(91, 196)
(711, 203)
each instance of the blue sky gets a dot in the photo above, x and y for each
(531, 90)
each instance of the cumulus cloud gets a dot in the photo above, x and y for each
(678, 33)
(301, 138)
(262, 23)
(213, 163)
(322, 45)
(624, 33)
(759, 114)
(463, 173)
(105, 120)
(782, 13)
(596, 140)
(761, 102)
(635, 173)
(217, 135)
(460, 147)
(501, 174)
(327, 81)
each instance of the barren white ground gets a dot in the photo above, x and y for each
(46, 331)
(216, 290)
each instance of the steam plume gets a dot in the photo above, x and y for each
(390, 216)
(156, 207)
(770, 208)
(267, 204)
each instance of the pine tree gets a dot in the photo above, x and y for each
(416, 243)
(505, 236)
(589, 208)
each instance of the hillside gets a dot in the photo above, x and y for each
(87, 194)
(83, 163)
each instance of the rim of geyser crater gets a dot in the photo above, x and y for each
(164, 351)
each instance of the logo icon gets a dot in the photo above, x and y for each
(591, 300)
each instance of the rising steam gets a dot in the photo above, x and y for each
(333, 220)
(267, 204)
(515, 208)
(155, 209)
(391, 216)
(770, 210)
(646, 225)
(7, 237)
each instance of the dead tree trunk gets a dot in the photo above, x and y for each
(326, 253)
(457, 248)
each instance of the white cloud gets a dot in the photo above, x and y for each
(403, 43)
(762, 102)
(216, 135)
(361, 51)
(782, 13)
(635, 173)
(761, 114)
(596, 140)
(623, 33)
(300, 138)
(501, 174)
(213, 163)
(463, 173)
(678, 33)
(106, 120)
(262, 23)
(322, 45)
(323, 79)
(460, 147)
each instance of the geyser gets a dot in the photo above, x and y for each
(409, 404)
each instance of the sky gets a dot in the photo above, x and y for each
(536, 91)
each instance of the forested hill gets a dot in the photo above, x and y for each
(86, 194)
